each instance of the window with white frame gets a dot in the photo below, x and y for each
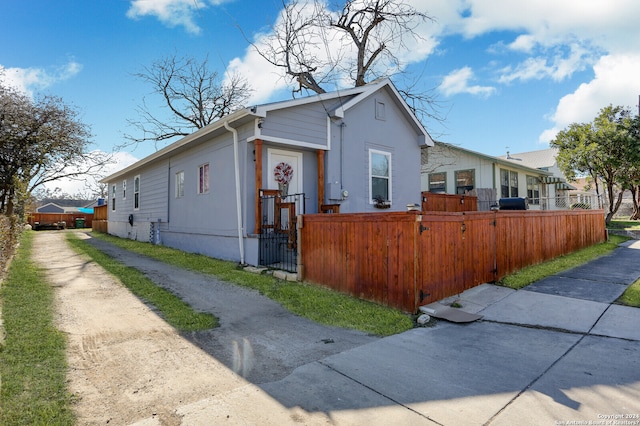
(465, 180)
(533, 190)
(124, 189)
(113, 198)
(508, 183)
(203, 179)
(136, 192)
(180, 184)
(379, 176)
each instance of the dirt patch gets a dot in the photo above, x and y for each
(126, 365)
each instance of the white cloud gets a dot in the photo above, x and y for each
(172, 13)
(457, 82)
(28, 80)
(557, 67)
(615, 82)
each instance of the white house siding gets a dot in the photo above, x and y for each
(442, 158)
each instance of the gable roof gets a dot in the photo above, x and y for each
(346, 99)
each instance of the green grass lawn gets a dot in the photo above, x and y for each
(319, 304)
(531, 274)
(33, 357)
(627, 225)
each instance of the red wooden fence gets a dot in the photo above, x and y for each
(407, 259)
(68, 218)
(448, 202)
(100, 223)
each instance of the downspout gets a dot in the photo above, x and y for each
(238, 197)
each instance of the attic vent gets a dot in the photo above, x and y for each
(380, 110)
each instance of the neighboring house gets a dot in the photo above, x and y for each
(65, 206)
(215, 191)
(451, 169)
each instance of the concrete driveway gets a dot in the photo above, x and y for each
(555, 353)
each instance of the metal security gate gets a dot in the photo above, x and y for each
(278, 232)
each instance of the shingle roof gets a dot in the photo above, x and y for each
(540, 159)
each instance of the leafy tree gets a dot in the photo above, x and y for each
(633, 176)
(41, 140)
(603, 149)
(193, 95)
(358, 42)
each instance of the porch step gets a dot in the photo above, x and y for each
(286, 276)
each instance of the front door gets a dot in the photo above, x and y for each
(286, 159)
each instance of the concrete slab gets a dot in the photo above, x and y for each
(619, 321)
(451, 374)
(317, 389)
(597, 291)
(545, 310)
(621, 266)
(478, 298)
(598, 378)
(438, 310)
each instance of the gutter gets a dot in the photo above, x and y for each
(236, 162)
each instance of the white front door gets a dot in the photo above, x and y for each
(291, 158)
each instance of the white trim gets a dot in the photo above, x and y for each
(202, 191)
(114, 191)
(390, 186)
(136, 193)
(290, 142)
(177, 185)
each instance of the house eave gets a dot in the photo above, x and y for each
(237, 118)
(498, 160)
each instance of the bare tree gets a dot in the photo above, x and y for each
(41, 140)
(359, 41)
(193, 95)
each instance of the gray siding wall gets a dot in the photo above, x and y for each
(362, 131)
(306, 123)
(152, 203)
(200, 223)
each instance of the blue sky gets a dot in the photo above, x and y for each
(507, 74)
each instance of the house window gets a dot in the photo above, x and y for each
(124, 189)
(136, 192)
(180, 184)
(465, 181)
(438, 182)
(379, 176)
(380, 110)
(203, 179)
(113, 198)
(508, 183)
(533, 190)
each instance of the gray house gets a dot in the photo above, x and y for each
(220, 190)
